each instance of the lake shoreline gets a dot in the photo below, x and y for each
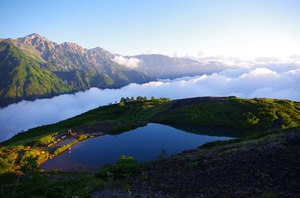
(262, 166)
(143, 143)
(89, 132)
(253, 115)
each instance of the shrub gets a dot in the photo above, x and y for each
(124, 167)
(46, 140)
(251, 119)
(4, 166)
(28, 164)
(139, 98)
(65, 147)
(82, 137)
(61, 149)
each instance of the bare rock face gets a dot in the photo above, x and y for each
(160, 66)
(41, 44)
(67, 56)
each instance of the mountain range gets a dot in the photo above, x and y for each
(34, 67)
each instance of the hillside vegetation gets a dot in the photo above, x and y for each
(231, 112)
(34, 67)
(24, 77)
(262, 163)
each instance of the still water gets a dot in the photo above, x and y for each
(144, 144)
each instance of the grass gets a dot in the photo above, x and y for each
(61, 184)
(256, 116)
(244, 114)
(56, 184)
(67, 184)
(24, 76)
(125, 167)
(128, 116)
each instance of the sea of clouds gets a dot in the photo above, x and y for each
(247, 82)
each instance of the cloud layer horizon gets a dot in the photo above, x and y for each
(241, 82)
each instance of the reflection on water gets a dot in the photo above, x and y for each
(144, 144)
(211, 131)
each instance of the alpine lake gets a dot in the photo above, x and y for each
(143, 144)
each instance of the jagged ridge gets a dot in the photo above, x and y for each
(34, 67)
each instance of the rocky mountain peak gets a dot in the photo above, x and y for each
(73, 47)
(69, 44)
(100, 51)
(35, 40)
(33, 35)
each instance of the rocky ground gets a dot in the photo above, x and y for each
(265, 167)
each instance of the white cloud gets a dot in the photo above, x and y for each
(228, 60)
(242, 82)
(131, 63)
(259, 72)
(152, 51)
(295, 57)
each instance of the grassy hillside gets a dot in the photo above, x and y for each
(263, 164)
(260, 113)
(25, 77)
(34, 67)
(231, 112)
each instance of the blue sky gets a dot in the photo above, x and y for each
(234, 27)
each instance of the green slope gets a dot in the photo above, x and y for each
(37, 68)
(25, 77)
(244, 114)
(264, 164)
